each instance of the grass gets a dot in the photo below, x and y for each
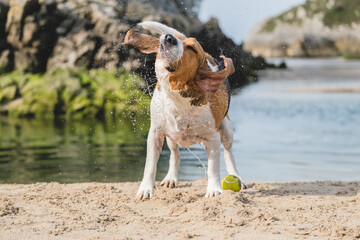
(73, 94)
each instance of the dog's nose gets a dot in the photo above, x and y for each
(170, 39)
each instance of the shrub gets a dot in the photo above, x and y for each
(73, 94)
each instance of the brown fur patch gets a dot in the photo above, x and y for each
(198, 98)
(210, 81)
(145, 43)
(186, 68)
(219, 104)
(183, 79)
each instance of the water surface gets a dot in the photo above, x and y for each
(299, 124)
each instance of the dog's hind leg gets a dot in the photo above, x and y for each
(227, 136)
(213, 150)
(170, 181)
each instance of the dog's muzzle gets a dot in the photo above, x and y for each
(170, 39)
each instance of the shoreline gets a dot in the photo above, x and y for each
(267, 210)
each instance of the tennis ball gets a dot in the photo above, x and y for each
(231, 182)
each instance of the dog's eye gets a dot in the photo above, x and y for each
(192, 49)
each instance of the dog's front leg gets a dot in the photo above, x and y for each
(213, 150)
(155, 142)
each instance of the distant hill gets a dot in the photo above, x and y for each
(317, 28)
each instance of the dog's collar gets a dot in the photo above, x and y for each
(170, 69)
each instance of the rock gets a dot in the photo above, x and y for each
(6, 55)
(317, 28)
(6, 61)
(319, 46)
(38, 35)
(4, 9)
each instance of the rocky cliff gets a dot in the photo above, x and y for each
(317, 28)
(37, 35)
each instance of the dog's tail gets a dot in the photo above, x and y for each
(159, 28)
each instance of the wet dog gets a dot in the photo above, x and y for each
(189, 105)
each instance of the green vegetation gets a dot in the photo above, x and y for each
(343, 12)
(313, 7)
(287, 17)
(351, 55)
(269, 25)
(336, 12)
(73, 94)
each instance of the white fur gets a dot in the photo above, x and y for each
(159, 28)
(212, 67)
(173, 53)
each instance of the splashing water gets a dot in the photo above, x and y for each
(199, 161)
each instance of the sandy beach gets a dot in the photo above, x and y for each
(292, 210)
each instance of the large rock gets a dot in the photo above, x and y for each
(37, 35)
(318, 28)
(5, 58)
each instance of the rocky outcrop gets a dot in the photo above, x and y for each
(37, 35)
(318, 28)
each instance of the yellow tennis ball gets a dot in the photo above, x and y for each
(231, 182)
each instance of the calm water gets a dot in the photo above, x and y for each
(299, 124)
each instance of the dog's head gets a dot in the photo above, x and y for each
(184, 58)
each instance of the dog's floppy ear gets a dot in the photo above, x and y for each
(145, 43)
(209, 81)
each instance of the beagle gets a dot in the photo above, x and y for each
(189, 105)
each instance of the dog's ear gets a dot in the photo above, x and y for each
(209, 81)
(145, 43)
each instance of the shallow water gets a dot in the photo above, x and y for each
(69, 151)
(300, 124)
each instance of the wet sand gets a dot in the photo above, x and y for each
(291, 210)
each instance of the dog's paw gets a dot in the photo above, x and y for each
(243, 184)
(213, 189)
(169, 182)
(146, 190)
(213, 193)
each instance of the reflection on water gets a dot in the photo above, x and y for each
(79, 151)
(301, 123)
(34, 150)
(288, 126)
